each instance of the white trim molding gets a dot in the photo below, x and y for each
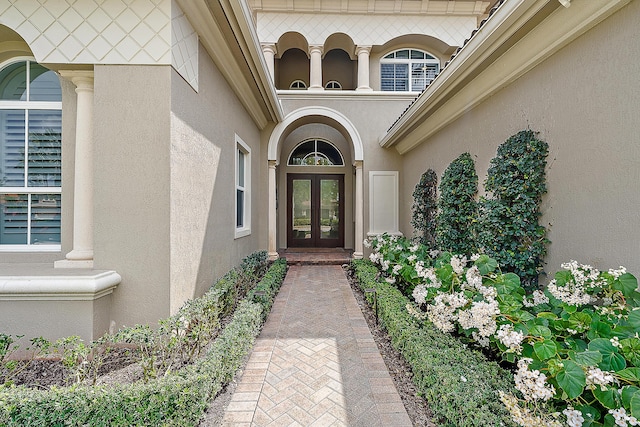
(498, 54)
(88, 286)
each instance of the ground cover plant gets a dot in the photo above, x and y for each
(459, 383)
(574, 347)
(184, 363)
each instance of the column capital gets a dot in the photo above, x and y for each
(363, 49)
(273, 164)
(80, 78)
(358, 164)
(316, 48)
(269, 47)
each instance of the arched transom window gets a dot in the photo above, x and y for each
(30, 156)
(315, 152)
(407, 70)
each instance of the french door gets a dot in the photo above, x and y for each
(315, 210)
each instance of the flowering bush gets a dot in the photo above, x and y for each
(576, 344)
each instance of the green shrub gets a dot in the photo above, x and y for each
(457, 207)
(425, 208)
(178, 398)
(509, 231)
(460, 385)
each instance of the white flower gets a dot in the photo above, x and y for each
(366, 243)
(420, 294)
(474, 278)
(442, 311)
(412, 258)
(481, 316)
(532, 384)
(523, 416)
(538, 297)
(463, 378)
(574, 417)
(414, 248)
(458, 263)
(375, 257)
(396, 269)
(595, 376)
(510, 338)
(572, 294)
(384, 264)
(390, 280)
(615, 342)
(618, 273)
(428, 274)
(433, 253)
(620, 416)
(475, 257)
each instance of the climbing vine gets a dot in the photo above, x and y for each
(457, 207)
(425, 208)
(509, 230)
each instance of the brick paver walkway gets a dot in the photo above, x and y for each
(315, 362)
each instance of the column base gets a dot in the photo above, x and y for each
(357, 255)
(364, 89)
(74, 263)
(315, 88)
(273, 256)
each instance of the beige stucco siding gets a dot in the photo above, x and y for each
(204, 125)
(584, 101)
(131, 182)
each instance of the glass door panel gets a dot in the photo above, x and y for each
(315, 216)
(329, 208)
(302, 212)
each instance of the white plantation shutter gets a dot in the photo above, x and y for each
(30, 157)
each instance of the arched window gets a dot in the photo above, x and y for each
(333, 85)
(407, 70)
(315, 152)
(298, 84)
(30, 156)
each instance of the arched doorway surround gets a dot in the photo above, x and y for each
(339, 122)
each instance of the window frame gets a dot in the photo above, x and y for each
(241, 147)
(315, 141)
(428, 59)
(26, 190)
(301, 85)
(335, 85)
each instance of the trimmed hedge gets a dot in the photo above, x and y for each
(460, 384)
(178, 399)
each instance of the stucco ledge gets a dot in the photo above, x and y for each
(86, 287)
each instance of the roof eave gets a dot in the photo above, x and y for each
(521, 34)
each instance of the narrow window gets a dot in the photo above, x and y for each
(243, 184)
(298, 85)
(30, 157)
(333, 85)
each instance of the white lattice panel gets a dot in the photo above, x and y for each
(184, 46)
(364, 29)
(92, 31)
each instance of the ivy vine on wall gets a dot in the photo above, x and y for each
(425, 208)
(509, 230)
(457, 207)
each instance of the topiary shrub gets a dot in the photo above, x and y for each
(509, 231)
(457, 207)
(425, 209)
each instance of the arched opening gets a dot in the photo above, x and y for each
(317, 124)
(337, 66)
(292, 70)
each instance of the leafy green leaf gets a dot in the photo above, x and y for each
(630, 349)
(486, 265)
(587, 358)
(563, 277)
(571, 379)
(540, 331)
(626, 283)
(635, 405)
(545, 349)
(627, 394)
(548, 315)
(634, 319)
(630, 374)
(589, 413)
(609, 398)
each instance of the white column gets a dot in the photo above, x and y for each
(363, 67)
(81, 255)
(273, 250)
(315, 69)
(269, 52)
(359, 231)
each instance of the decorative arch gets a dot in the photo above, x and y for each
(316, 114)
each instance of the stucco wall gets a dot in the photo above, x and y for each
(131, 187)
(203, 129)
(584, 102)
